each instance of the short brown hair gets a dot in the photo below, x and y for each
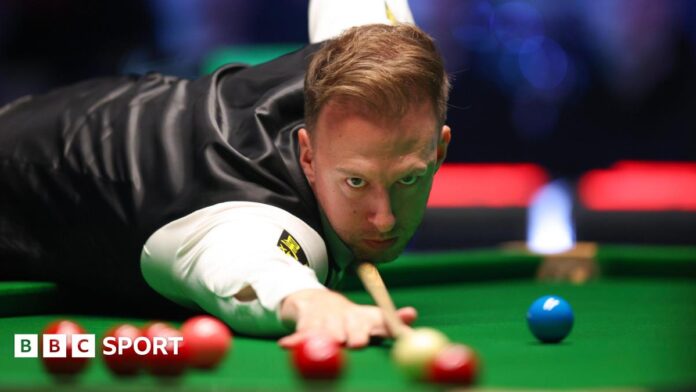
(383, 68)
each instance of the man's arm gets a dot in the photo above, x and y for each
(225, 259)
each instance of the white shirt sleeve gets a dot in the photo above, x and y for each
(329, 18)
(207, 257)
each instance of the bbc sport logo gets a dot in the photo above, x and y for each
(83, 345)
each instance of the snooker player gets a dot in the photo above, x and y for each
(245, 193)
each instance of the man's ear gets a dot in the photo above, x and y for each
(445, 136)
(306, 155)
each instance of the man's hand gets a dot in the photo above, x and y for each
(316, 311)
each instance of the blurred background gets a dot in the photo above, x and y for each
(567, 86)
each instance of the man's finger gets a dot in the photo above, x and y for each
(298, 337)
(335, 328)
(407, 314)
(291, 341)
(358, 333)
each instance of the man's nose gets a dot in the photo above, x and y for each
(382, 216)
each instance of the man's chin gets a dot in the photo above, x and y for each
(379, 257)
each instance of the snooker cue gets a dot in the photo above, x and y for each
(369, 275)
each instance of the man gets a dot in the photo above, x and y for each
(245, 193)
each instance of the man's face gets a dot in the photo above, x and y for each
(372, 176)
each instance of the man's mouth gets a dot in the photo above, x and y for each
(381, 244)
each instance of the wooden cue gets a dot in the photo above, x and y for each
(375, 286)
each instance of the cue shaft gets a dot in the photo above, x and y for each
(369, 275)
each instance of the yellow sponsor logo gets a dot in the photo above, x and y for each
(290, 246)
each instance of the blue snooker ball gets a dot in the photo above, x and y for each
(550, 318)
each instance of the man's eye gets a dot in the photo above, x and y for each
(355, 182)
(409, 180)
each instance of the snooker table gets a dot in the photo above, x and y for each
(635, 327)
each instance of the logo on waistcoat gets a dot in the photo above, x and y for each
(291, 247)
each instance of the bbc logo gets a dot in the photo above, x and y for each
(54, 345)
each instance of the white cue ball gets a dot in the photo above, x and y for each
(413, 351)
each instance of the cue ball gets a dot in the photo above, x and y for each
(208, 340)
(455, 364)
(68, 365)
(413, 351)
(318, 357)
(550, 318)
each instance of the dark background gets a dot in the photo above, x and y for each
(571, 85)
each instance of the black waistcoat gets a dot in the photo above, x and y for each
(92, 170)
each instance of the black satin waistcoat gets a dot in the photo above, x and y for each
(92, 170)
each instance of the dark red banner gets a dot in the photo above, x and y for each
(640, 186)
(486, 185)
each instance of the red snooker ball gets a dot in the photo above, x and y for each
(68, 365)
(163, 359)
(318, 357)
(455, 364)
(152, 328)
(128, 362)
(208, 340)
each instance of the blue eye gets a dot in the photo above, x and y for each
(409, 180)
(355, 182)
